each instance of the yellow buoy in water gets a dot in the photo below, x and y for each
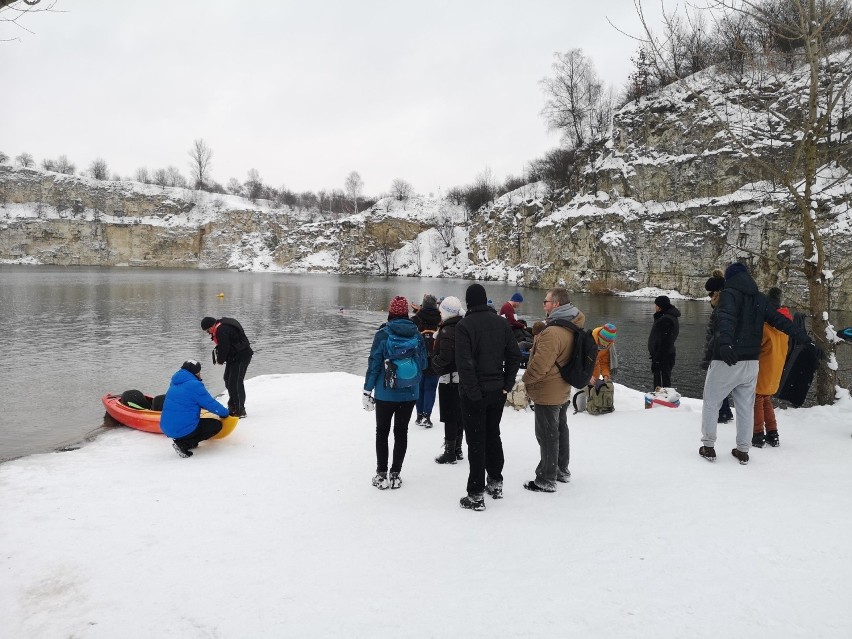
(220, 295)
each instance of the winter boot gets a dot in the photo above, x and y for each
(741, 456)
(419, 421)
(449, 454)
(380, 481)
(708, 453)
(459, 451)
(181, 450)
(534, 487)
(563, 476)
(494, 488)
(758, 440)
(395, 481)
(772, 438)
(472, 504)
(427, 422)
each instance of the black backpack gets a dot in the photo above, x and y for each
(429, 340)
(579, 368)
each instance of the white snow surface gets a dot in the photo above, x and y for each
(652, 293)
(276, 531)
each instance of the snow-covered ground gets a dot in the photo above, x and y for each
(277, 532)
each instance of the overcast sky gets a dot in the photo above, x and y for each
(305, 92)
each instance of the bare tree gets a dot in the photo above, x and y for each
(174, 177)
(25, 160)
(98, 169)
(142, 175)
(353, 187)
(577, 104)
(161, 178)
(201, 157)
(60, 165)
(234, 187)
(401, 189)
(254, 185)
(3, 158)
(805, 30)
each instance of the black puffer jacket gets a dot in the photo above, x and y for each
(427, 319)
(487, 355)
(444, 355)
(231, 341)
(664, 332)
(740, 315)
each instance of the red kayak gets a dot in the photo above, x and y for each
(149, 420)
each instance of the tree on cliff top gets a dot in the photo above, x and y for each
(201, 156)
(353, 186)
(805, 34)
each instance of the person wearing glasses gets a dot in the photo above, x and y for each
(550, 393)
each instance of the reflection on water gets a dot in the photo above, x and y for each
(75, 334)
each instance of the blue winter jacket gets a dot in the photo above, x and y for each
(184, 400)
(375, 378)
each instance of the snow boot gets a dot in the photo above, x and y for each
(427, 422)
(758, 440)
(395, 481)
(563, 477)
(419, 421)
(449, 454)
(459, 451)
(181, 450)
(772, 438)
(380, 481)
(494, 488)
(472, 504)
(708, 453)
(741, 456)
(534, 487)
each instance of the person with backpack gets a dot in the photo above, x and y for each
(661, 341)
(394, 369)
(714, 286)
(738, 332)
(487, 359)
(550, 392)
(770, 365)
(426, 319)
(181, 419)
(232, 348)
(443, 363)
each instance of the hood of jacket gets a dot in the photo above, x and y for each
(182, 377)
(429, 317)
(671, 310)
(742, 282)
(401, 327)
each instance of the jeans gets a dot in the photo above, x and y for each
(400, 412)
(235, 373)
(484, 447)
(207, 428)
(739, 380)
(426, 397)
(551, 431)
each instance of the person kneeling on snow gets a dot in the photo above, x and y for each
(181, 419)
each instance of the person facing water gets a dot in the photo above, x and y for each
(181, 418)
(232, 348)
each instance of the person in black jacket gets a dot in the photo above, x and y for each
(234, 351)
(714, 286)
(443, 363)
(487, 359)
(737, 337)
(661, 341)
(426, 319)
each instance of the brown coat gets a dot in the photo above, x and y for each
(544, 383)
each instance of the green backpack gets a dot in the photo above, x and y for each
(595, 400)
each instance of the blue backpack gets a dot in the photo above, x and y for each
(402, 369)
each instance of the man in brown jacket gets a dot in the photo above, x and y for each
(550, 393)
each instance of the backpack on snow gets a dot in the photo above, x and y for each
(596, 400)
(402, 368)
(579, 368)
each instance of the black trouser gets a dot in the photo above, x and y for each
(663, 371)
(235, 373)
(207, 428)
(400, 412)
(484, 446)
(450, 406)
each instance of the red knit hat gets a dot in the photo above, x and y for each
(398, 306)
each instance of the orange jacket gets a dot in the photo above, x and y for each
(773, 352)
(602, 365)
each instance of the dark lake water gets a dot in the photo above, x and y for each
(72, 335)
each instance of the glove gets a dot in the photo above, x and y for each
(213, 353)
(727, 355)
(368, 402)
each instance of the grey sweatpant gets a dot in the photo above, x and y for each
(739, 380)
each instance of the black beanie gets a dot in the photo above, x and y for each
(207, 322)
(733, 269)
(714, 284)
(663, 302)
(475, 296)
(192, 366)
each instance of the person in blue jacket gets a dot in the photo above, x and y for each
(393, 403)
(181, 419)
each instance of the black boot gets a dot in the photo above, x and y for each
(458, 448)
(449, 455)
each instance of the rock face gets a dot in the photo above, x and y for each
(666, 200)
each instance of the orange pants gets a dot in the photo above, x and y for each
(764, 413)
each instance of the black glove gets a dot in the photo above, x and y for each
(213, 353)
(727, 355)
